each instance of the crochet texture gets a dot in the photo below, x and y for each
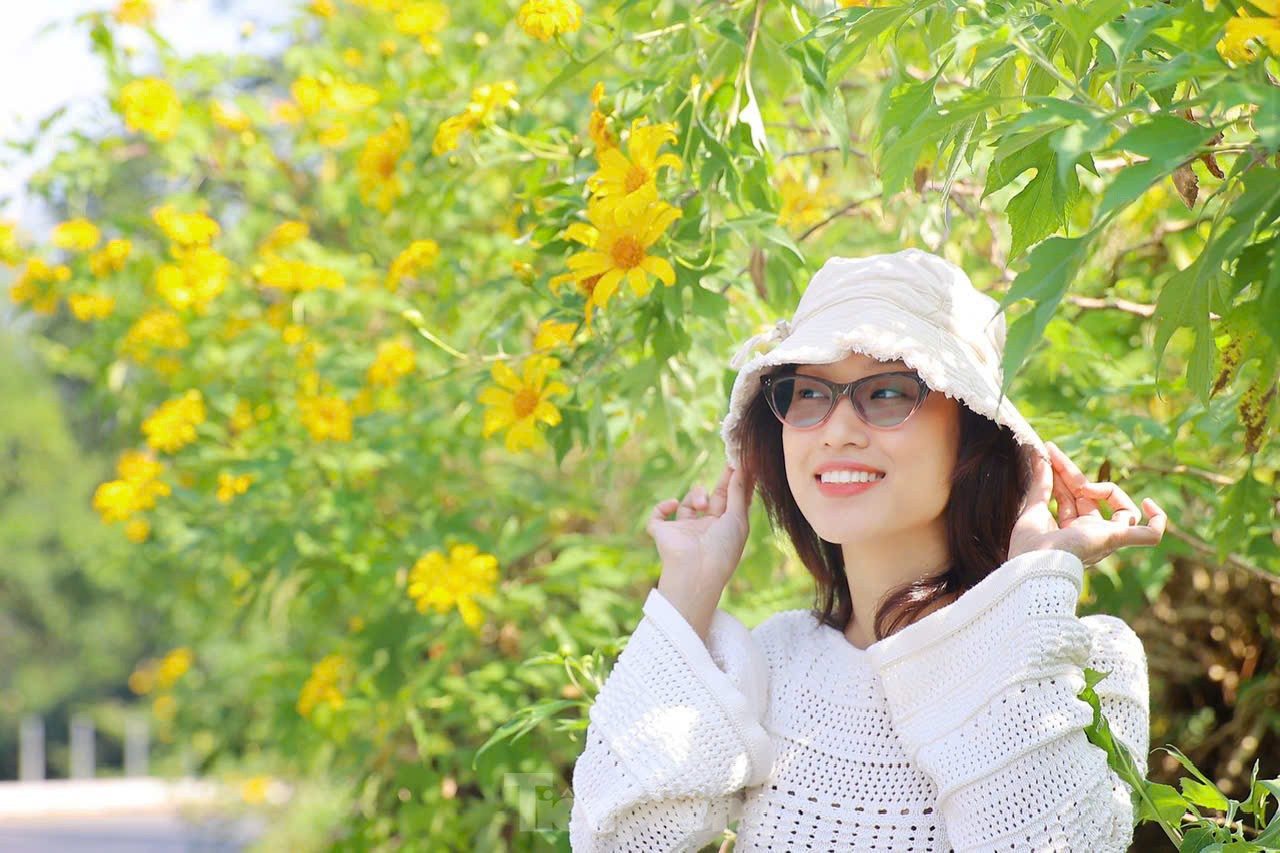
(963, 731)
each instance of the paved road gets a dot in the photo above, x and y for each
(125, 834)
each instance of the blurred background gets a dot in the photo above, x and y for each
(332, 412)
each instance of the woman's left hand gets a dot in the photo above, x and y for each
(1080, 527)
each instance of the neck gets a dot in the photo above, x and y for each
(875, 567)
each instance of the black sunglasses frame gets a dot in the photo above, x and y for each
(839, 389)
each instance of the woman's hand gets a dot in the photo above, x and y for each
(701, 547)
(1080, 528)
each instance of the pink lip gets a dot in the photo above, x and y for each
(837, 490)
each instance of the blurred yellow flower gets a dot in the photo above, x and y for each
(158, 329)
(352, 58)
(138, 13)
(285, 112)
(395, 360)
(544, 19)
(185, 229)
(597, 92)
(229, 116)
(806, 200)
(618, 246)
(420, 255)
(333, 135)
(151, 106)
(201, 278)
(143, 679)
(165, 707)
(91, 306)
(78, 235)
(285, 234)
(601, 136)
(172, 426)
(1246, 34)
(37, 284)
(443, 583)
(10, 246)
(625, 180)
(448, 133)
(297, 276)
(551, 334)
(293, 334)
(517, 403)
(323, 8)
(325, 417)
(423, 20)
(242, 418)
(323, 686)
(111, 258)
(230, 485)
(379, 165)
(137, 530)
(173, 666)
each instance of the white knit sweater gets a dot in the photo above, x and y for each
(962, 731)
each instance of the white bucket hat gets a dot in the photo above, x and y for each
(910, 305)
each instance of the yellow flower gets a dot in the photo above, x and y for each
(543, 19)
(326, 417)
(165, 707)
(242, 417)
(185, 229)
(333, 135)
(254, 790)
(443, 583)
(395, 361)
(421, 255)
(91, 306)
(157, 328)
(352, 58)
(597, 92)
(139, 13)
(620, 249)
(624, 180)
(285, 112)
(447, 134)
(518, 403)
(174, 665)
(298, 276)
(200, 279)
(37, 284)
(323, 686)
(111, 258)
(1243, 32)
(78, 235)
(229, 116)
(10, 246)
(322, 8)
(136, 490)
(423, 20)
(137, 530)
(143, 679)
(173, 425)
(598, 129)
(151, 106)
(115, 500)
(230, 485)
(805, 200)
(292, 334)
(491, 97)
(379, 165)
(351, 97)
(285, 234)
(551, 334)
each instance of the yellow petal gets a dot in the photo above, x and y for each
(495, 397)
(496, 419)
(547, 413)
(582, 233)
(605, 287)
(505, 377)
(659, 267)
(556, 388)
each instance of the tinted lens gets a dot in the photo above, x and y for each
(882, 401)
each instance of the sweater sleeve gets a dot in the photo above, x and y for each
(982, 693)
(675, 736)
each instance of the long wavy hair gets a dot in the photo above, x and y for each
(988, 485)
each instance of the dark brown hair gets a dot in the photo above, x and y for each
(988, 485)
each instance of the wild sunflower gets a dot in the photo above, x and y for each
(519, 402)
(619, 249)
(625, 179)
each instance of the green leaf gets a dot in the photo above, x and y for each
(1169, 805)
(1203, 795)
(1051, 267)
(1165, 138)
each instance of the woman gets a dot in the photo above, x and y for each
(929, 702)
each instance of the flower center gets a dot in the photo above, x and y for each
(627, 252)
(637, 176)
(387, 165)
(524, 402)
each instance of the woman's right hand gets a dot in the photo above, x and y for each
(702, 546)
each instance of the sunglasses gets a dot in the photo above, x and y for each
(883, 400)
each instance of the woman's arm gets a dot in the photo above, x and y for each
(675, 737)
(983, 695)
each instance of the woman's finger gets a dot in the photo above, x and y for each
(692, 503)
(720, 496)
(741, 491)
(1066, 500)
(1114, 495)
(660, 512)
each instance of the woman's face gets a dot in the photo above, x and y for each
(917, 458)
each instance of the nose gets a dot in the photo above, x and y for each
(844, 423)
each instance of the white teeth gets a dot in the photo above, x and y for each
(850, 476)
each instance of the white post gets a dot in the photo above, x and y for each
(81, 747)
(136, 746)
(31, 749)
